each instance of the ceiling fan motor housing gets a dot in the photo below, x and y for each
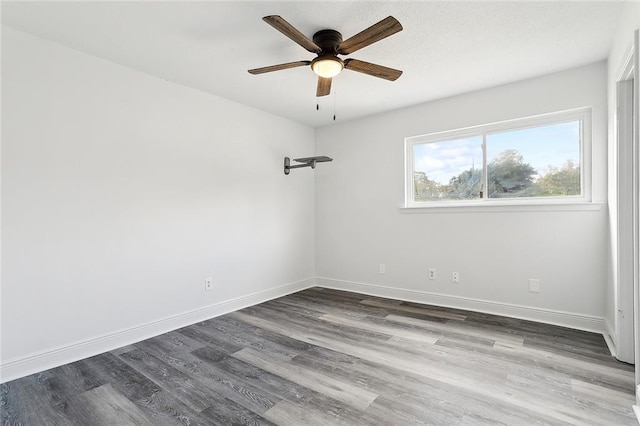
(328, 41)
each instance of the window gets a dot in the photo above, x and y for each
(541, 159)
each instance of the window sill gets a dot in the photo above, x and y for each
(487, 207)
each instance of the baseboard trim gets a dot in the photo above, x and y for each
(63, 355)
(636, 407)
(547, 316)
(610, 338)
(636, 411)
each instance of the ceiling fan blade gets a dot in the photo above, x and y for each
(388, 26)
(290, 31)
(324, 86)
(372, 69)
(279, 67)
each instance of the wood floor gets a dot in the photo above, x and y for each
(325, 357)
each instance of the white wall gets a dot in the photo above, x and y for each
(622, 45)
(122, 192)
(359, 223)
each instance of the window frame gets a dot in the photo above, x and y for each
(583, 115)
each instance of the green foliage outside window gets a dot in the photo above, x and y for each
(508, 176)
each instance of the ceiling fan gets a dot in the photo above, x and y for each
(328, 44)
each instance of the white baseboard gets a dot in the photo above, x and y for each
(610, 338)
(636, 407)
(63, 355)
(547, 316)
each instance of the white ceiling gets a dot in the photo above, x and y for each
(446, 48)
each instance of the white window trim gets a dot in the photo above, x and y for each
(578, 202)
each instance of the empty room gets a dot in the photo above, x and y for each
(320, 213)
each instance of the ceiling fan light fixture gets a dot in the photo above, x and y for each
(327, 66)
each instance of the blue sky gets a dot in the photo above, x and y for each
(541, 147)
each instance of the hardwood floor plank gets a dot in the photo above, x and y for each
(603, 413)
(122, 377)
(197, 383)
(329, 297)
(251, 330)
(455, 329)
(341, 390)
(234, 388)
(239, 336)
(29, 401)
(267, 381)
(106, 406)
(589, 372)
(296, 322)
(298, 306)
(72, 379)
(425, 310)
(162, 409)
(181, 386)
(363, 324)
(602, 393)
(377, 378)
(580, 352)
(202, 333)
(415, 407)
(209, 354)
(233, 414)
(321, 411)
(122, 350)
(174, 343)
(345, 307)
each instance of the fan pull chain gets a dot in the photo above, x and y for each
(334, 105)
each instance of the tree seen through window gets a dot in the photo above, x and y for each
(508, 176)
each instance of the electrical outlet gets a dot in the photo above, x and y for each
(432, 274)
(383, 268)
(455, 277)
(534, 285)
(208, 284)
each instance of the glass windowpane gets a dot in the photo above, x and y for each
(542, 161)
(448, 170)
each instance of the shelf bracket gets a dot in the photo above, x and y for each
(305, 162)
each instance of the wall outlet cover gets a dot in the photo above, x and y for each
(534, 285)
